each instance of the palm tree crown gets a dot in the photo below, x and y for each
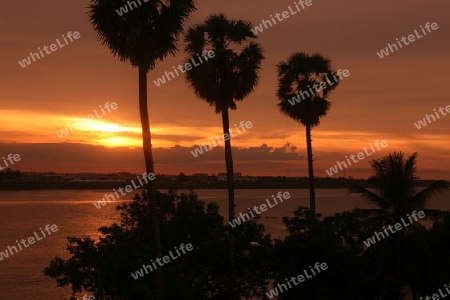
(395, 182)
(231, 75)
(300, 73)
(143, 35)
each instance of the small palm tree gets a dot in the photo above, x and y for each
(229, 76)
(296, 78)
(396, 197)
(395, 182)
(141, 37)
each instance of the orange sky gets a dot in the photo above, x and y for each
(380, 100)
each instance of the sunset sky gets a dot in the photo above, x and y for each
(380, 100)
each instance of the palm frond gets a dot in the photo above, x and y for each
(232, 74)
(144, 35)
(420, 199)
(435, 214)
(364, 213)
(372, 197)
(300, 77)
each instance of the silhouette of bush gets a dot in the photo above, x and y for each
(104, 267)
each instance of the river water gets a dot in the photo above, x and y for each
(23, 212)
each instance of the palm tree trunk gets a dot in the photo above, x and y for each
(149, 166)
(312, 193)
(231, 212)
(229, 165)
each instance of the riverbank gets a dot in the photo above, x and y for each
(262, 183)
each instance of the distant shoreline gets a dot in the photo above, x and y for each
(163, 185)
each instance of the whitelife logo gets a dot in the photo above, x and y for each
(85, 297)
(411, 38)
(188, 66)
(398, 227)
(140, 273)
(123, 10)
(197, 151)
(360, 155)
(319, 87)
(262, 207)
(128, 189)
(423, 123)
(64, 132)
(436, 296)
(300, 278)
(285, 14)
(31, 241)
(27, 61)
(16, 158)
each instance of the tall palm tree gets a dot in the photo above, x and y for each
(141, 37)
(395, 196)
(228, 77)
(296, 79)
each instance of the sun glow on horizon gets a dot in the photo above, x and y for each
(120, 142)
(96, 125)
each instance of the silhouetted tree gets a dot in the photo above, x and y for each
(311, 241)
(230, 76)
(104, 267)
(407, 254)
(439, 240)
(141, 37)
(296, 77)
